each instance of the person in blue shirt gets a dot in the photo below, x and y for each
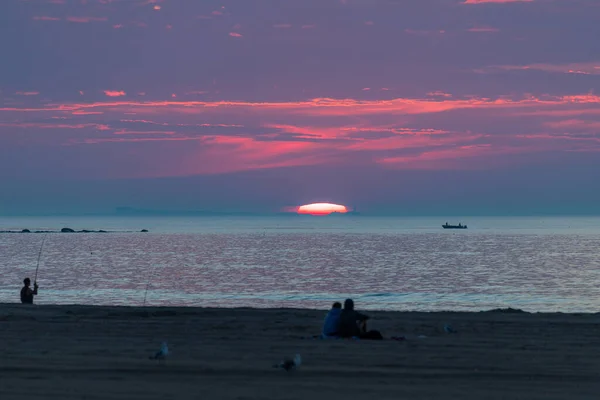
(332, 320)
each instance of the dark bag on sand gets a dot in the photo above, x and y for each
(372, 335)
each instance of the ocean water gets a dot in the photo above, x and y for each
(536, 264)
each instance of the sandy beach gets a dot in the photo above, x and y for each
(86, 352)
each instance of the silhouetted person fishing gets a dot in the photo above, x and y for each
(26, 292)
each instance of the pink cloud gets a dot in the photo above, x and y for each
(114, 93)
(338, 107)
(197, 92)
(495, 1)
(396, 130)
(235, 34)
(484, 29)
(86, 19)
(454, 157)
(584, 68)
(45, 18)
(307, 132)
(132, 132)
(412, 140)
(100, 127)
(240, 153)
(27, 93)
(439, 93)
(87, 112)
(592, 126)
(425, 158)
(130, 140)
(254, 135)
(424, 33)
(571, 142)
(282, 26)
(150, 122)
(346, 138)
(558, 112)
(249, 154)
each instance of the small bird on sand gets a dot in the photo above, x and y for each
(162, 354)
(449, 329)
(290, 364)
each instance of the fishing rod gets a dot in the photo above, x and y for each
(38, 260)
(146, 292)
(150, 276)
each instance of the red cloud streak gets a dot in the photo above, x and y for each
(82, 20)
(114, 93)
(45, 18)
(495, 1)
(225, 136)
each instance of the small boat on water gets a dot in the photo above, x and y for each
(459, 226)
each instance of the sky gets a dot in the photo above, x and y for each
(386, 106)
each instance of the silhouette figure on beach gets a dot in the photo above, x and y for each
(331, 325)
(26, 292)
(354, 324)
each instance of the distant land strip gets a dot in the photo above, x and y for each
(69, 230)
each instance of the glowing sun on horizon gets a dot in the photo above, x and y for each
(321, 209)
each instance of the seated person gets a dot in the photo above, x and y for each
(332, 320)
(354, 324)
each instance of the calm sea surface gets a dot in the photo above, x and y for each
(537, 264)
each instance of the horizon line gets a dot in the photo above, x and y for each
(161, 213)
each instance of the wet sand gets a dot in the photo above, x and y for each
(80, 352)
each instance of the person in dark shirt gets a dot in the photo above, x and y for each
(354, 324)
(26, 292)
